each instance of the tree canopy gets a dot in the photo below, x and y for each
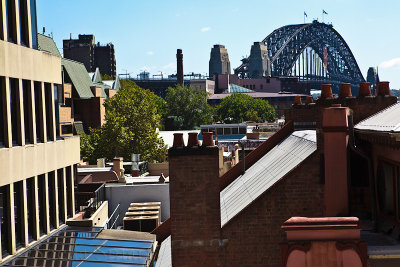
(239, 107)
(131, 119)
(188, 107)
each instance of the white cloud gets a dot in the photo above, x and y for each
(169, 66)
(145, 68)
(150, 53)
(392, 63)
(205, 29)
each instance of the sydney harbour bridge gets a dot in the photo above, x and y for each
(314, 52)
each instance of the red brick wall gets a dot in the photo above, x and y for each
(195, 206)
(362, 108)
(254, 234)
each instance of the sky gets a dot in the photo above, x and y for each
(146, 33)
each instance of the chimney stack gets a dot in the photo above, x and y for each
(365, 90)
(195, 204)
(297, 100)
(326, 91)
(334, 128)
(345, 90)
(179, 61)
(383, 89)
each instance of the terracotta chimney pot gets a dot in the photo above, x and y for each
(345, 90)
(365, 90)
(383, 88)
(193, 140)
(208, 139)
(326, 91)
(297, 100)
(309, 99)
(178, 140)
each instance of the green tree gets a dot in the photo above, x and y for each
(130, 127)
(189, 106)
(106, 77)
(239, 107)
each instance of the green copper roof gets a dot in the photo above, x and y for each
(79, 77)
(46, 43)
(234, 88)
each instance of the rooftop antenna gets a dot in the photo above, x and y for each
(305, 16)
(70, 36)
(323, 12)
(44, 30)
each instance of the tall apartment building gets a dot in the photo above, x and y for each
(92, 55)
(37, 166)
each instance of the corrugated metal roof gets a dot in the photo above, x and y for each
(257, 95)
(164, 256)
(266, 172)
(79, 76)
(387, 120)
(46, 43)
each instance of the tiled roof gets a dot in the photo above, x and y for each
(79, 76)
(272, 167)
(387, 120)
(46, 43)
(164, 256)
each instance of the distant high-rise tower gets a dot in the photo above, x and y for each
(373, 78)
(219, 61)
(259, 63)
(92, 55)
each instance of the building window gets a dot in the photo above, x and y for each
(39, 112)
(70, 191)
(11, 22)
(49, 112)
(3, 113)
(15, 112)
(34, 24)
(5, 220)
(31, 207)
(58, 101)
(28, 117)
(42, 205)
(23, 22)
(268, 80)
(52, 200)
(61, 196)
(1, 24)
(19, 214)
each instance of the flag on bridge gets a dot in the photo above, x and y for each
(324, 12)
(305, 14)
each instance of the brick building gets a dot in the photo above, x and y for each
(309, 168)
(81, 95)
(92, 55)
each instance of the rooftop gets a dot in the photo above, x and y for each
(387, 120)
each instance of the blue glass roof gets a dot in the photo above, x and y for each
(74, 246)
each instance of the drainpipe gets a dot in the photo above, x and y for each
(364, 155)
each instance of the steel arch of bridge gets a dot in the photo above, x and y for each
(288, 44)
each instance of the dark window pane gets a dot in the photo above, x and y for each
(14, 106)
(38, 112)
(42, 203)
(52, 199)
(18, 214)
(34, 24)
(31, 214)
(61, 195)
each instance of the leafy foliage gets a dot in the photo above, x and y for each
(132, 117)
(238, 108)
(188, 107)
(106, 77)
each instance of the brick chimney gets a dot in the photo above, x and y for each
(179, 62)
(334, 127)
(194, 204)
(118, 164)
